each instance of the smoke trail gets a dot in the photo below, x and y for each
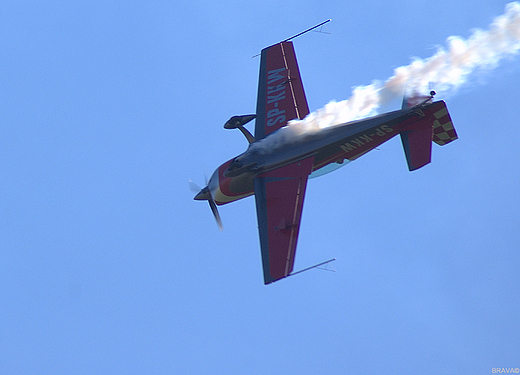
(447, 70)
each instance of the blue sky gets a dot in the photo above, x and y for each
(108, 266)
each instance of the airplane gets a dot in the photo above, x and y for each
(278, 162)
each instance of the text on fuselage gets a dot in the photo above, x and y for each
(361, 140)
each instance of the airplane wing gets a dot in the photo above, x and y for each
(279, 201)
(280, 90)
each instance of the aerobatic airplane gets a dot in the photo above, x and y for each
(275, 168)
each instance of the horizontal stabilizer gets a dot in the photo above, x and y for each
(417, 146)
(433, 124)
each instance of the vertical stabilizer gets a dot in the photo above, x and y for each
(434, 124)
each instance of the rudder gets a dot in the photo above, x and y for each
(443, 130)
(436, 126)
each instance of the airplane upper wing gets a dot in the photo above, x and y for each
(279, 201)
(280, 90)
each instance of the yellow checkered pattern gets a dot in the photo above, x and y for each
(443, 130)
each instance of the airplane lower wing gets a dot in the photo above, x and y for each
(279, 198)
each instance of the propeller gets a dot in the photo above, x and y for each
(213, 207)
(205, 194)
(193, 186)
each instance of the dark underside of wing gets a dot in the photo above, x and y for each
(281, 97)
(279, 198)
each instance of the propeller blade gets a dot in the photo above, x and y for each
(194, 187)
(214, 209)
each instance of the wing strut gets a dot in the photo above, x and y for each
(327, 262)
(306, 31)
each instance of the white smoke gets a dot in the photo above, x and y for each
(446, 70)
